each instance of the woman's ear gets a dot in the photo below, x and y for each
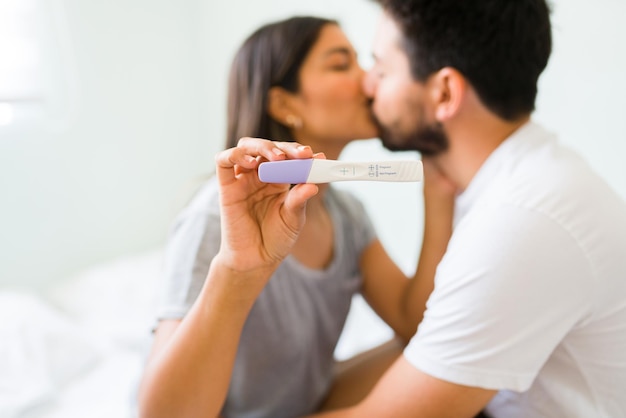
(279, 106)
(448, 89)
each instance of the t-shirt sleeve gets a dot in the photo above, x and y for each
(193, 242)
(509, 287)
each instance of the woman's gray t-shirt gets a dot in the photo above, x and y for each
(285, 358)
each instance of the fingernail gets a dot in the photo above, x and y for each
(277, 151)
(303, 147)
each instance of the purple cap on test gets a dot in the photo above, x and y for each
(286, 171)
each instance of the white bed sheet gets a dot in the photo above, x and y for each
(78, 350)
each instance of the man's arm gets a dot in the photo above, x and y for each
(405, 391)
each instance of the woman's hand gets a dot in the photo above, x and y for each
(436, 184)
(260, 221)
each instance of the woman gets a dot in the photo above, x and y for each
(296, 79)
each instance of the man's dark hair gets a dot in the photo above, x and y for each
(500, 46)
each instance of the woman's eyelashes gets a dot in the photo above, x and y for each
(341, 67)
(341, 60)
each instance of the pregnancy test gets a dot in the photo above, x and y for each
(324, 171)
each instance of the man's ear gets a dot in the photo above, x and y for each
(448, 89)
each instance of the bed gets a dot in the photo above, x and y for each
(77, 349)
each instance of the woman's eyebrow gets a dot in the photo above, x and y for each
(339, 50)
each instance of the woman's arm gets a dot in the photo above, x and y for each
(398, 301)
(189, 371)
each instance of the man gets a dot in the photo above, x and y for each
(527, 317)
(528, 313)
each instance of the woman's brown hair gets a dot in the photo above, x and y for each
(270, 57)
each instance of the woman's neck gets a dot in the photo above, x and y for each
(331, 149)
(315, 245)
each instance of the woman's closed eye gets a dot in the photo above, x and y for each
(340, 60)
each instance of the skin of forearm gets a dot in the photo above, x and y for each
(399, 300)
(191, 374)
(437, 231)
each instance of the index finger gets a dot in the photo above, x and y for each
(247, 150)
(274, 150)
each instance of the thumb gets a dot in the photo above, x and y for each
(295, 202)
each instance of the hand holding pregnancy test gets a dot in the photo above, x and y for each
(325, 171)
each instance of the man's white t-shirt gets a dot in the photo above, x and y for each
(530, 297)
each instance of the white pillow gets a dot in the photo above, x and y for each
(40, 351)
(115, 300)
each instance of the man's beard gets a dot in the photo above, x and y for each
(428, 139)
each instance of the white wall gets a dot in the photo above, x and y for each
(149, 115)
(582, 94)
(98, 176)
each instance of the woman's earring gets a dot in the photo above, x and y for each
(293, 121)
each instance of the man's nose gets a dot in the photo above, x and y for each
(369, 84)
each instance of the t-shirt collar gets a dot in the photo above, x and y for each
(510, 148)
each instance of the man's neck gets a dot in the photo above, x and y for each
(473, 136)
